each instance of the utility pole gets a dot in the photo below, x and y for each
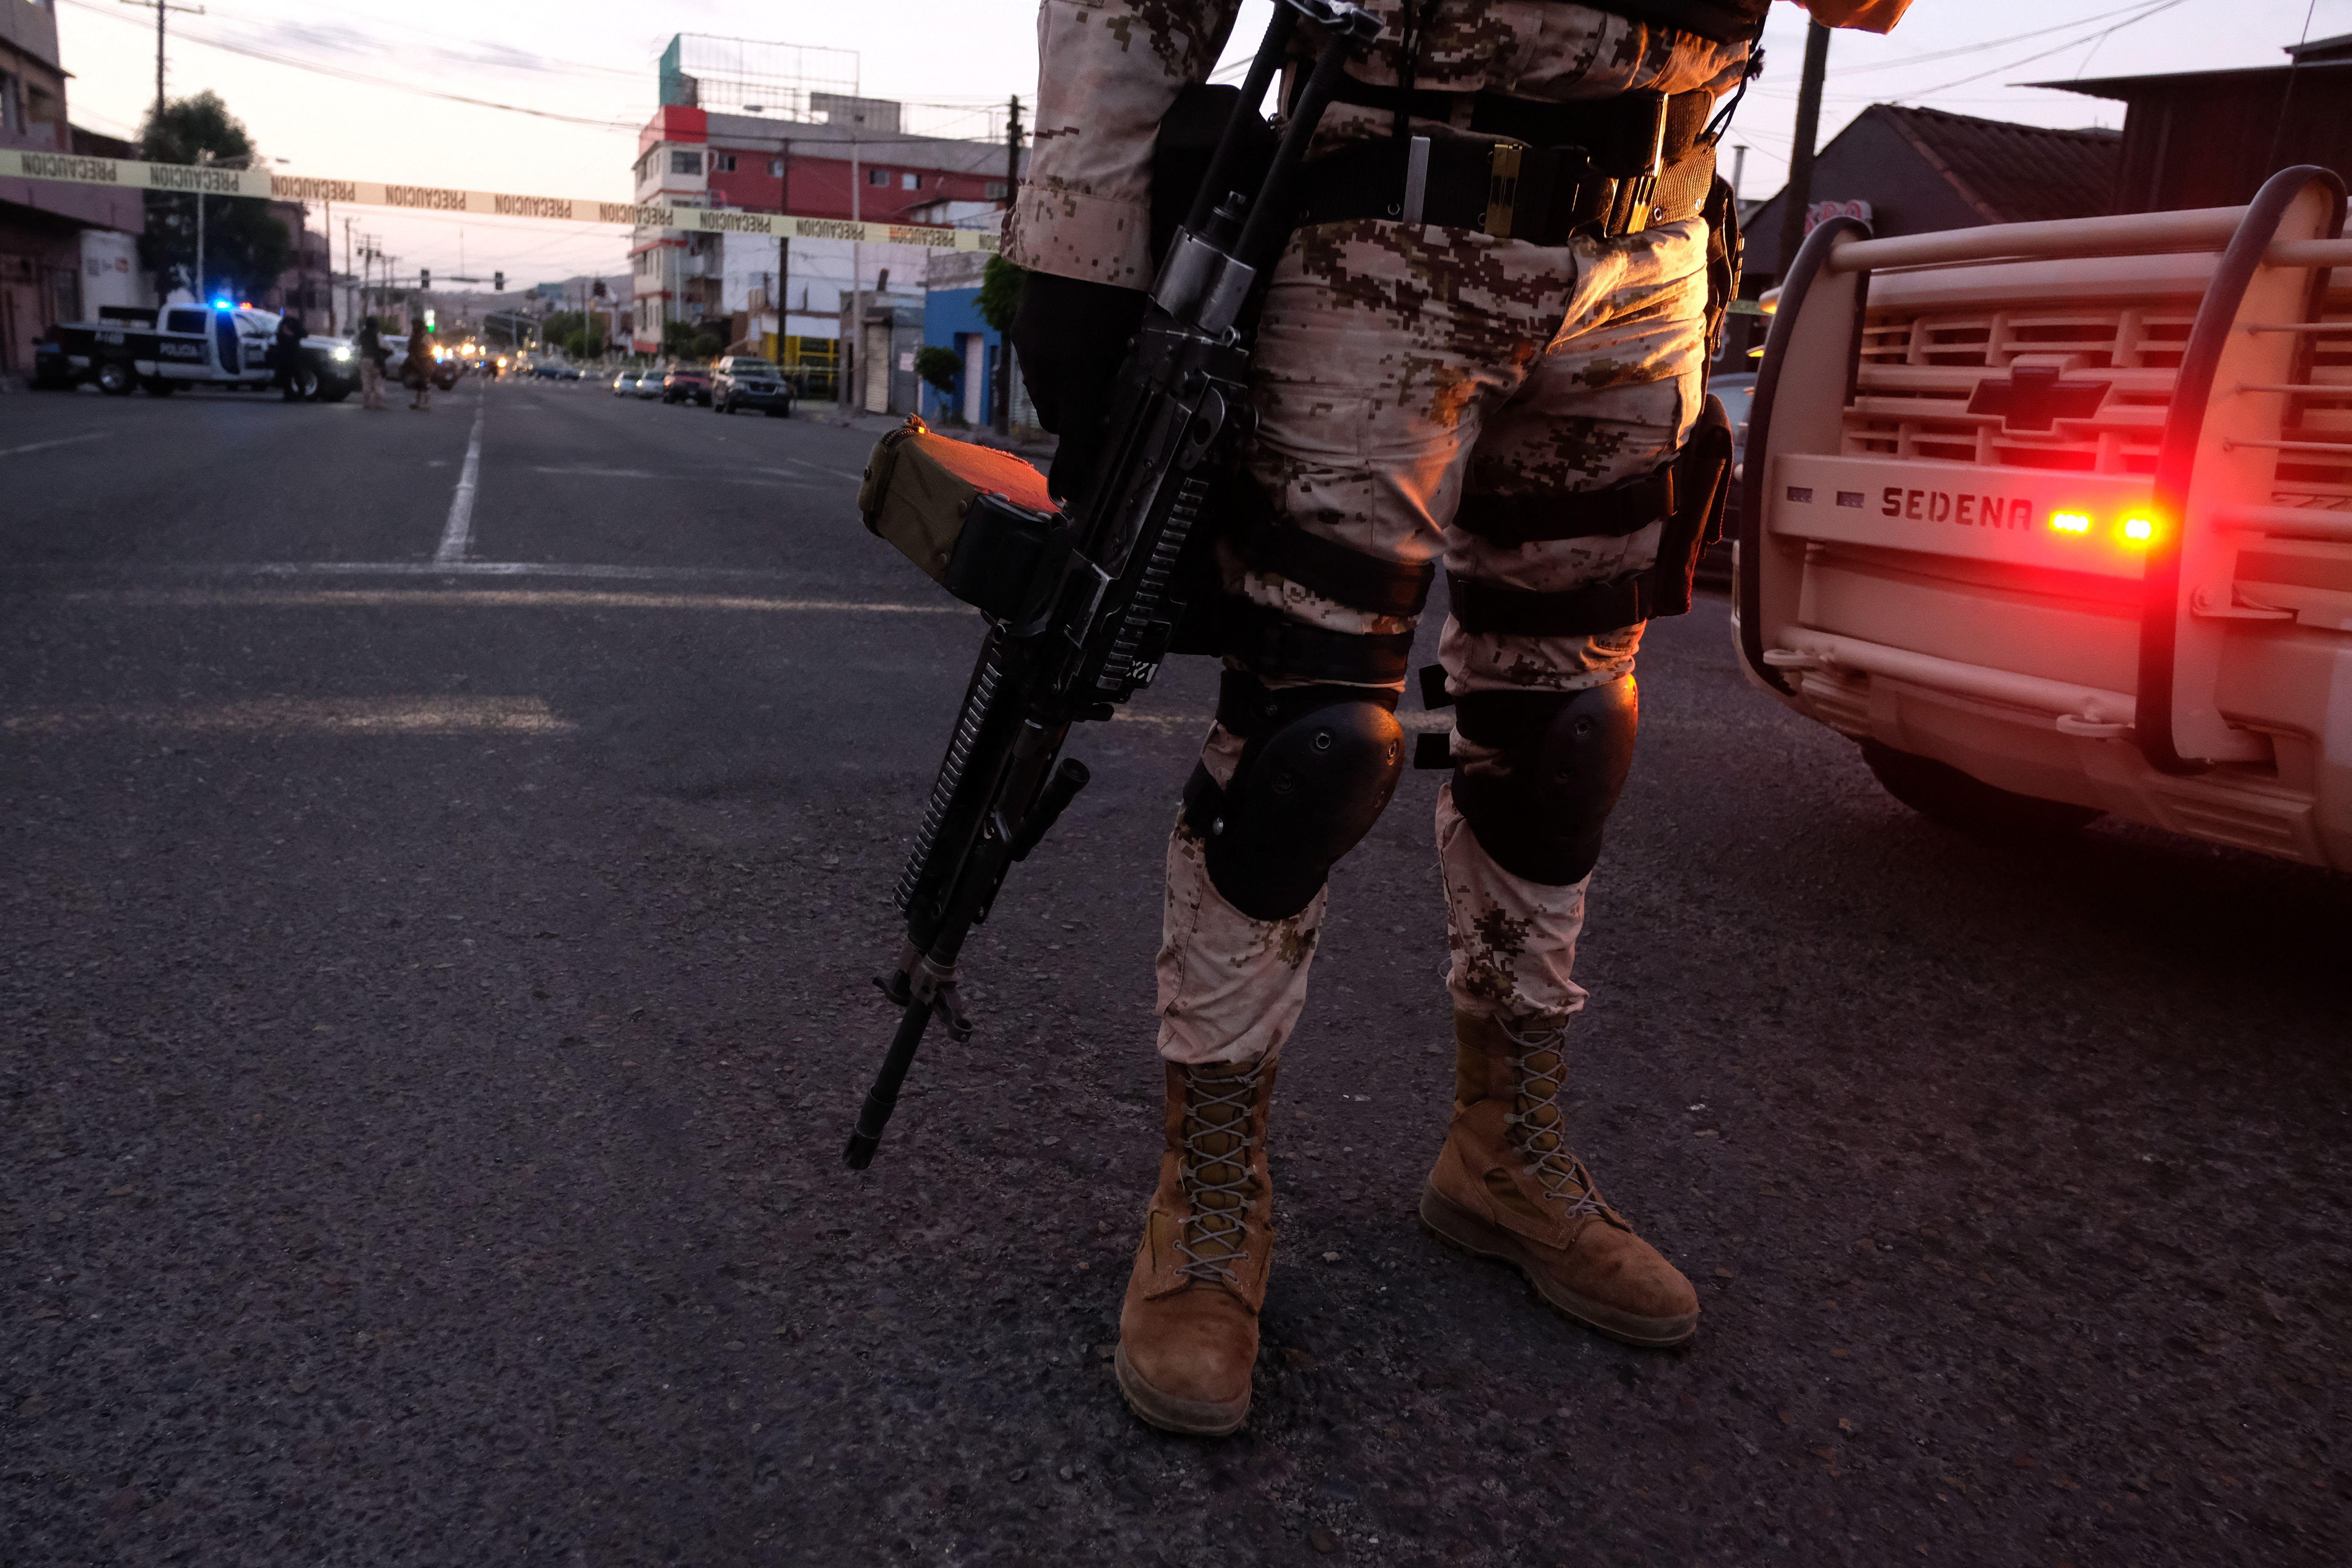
(202, 158)
(784, 258)
(1799, 193)
(849, 360)
(1004, 388)
(1738, 168)
(161, 7)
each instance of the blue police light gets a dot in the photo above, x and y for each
(220, 304)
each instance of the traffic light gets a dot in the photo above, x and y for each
(425, 277)
(498, 282)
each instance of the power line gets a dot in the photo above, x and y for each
(2162, 5)
(365, 80)
(1933, 56)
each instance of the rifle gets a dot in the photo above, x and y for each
(1081, 604)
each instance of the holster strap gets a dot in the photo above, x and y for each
(1277, 647)
(1627, 507)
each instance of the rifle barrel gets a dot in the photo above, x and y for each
(883, 1098)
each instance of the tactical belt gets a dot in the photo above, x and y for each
(1718, 21)
(1280, 648)
(1544, 173)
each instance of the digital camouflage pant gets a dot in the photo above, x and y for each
(1399, 367)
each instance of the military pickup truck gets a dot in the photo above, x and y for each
(2056, 519)
(191, 345)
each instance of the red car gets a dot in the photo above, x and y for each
(681, 386)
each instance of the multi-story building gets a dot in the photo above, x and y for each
(53, 236)
(853, 162)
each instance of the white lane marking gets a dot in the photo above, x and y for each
(44, 445)
(498, 569)
(819, 467)
(787, 478)
(457, 533)
(305, 715)
(527, 598)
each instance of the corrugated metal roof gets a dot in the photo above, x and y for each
(2011, 173)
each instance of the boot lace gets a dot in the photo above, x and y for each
(1539, 1058)
(1215, 1172)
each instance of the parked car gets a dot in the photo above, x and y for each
(686, 384)
(747, 381)
(626, 384)
(1714, 562)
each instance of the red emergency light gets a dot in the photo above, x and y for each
(2135, 528)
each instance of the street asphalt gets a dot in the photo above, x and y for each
(433, 994)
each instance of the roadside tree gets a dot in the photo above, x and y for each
(246, 248)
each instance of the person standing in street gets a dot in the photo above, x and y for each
(417, 368)
(372, 353)
(286, 357)
(1503, 380)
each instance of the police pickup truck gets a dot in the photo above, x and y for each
(228, 346)
(2055, 519)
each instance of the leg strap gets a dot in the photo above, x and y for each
(1280, 649)
(1267, 541)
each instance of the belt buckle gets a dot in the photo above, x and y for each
(1503, 188)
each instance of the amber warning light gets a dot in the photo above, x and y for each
(2070, 522)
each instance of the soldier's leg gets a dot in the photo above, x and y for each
(1378, 350)
(1562, 516)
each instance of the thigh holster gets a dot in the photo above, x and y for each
(1685, 493)
(1317, 766)
(1539, 808)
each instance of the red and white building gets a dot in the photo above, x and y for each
(855, 161)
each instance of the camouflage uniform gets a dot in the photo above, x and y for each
(1397, 367)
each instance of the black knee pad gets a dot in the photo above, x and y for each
(1565, 755)
(1317, 770)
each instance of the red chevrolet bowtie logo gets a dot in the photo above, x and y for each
(2034, 398)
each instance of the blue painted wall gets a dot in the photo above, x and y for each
(948, 314)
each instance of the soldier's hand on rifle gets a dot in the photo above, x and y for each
(1071, 335)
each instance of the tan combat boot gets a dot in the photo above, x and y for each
(1505, 1185)
(1188, 1334)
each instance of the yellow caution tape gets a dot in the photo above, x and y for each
(134, 174)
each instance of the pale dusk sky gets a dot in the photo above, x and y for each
(594, 61)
